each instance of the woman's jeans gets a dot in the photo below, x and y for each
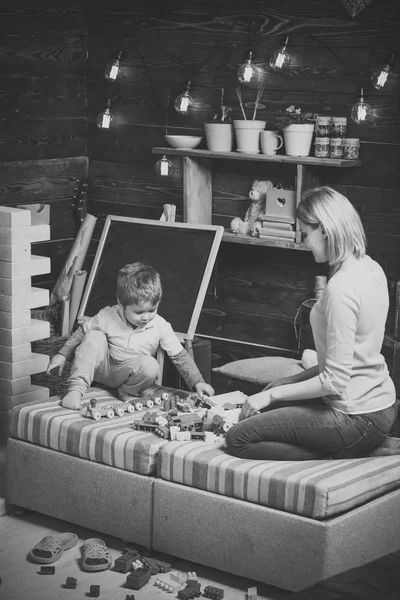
(308, 430)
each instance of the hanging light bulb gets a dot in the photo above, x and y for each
(184, 102)
(248, 72)
(105, 118)
(280, 59)
(383, 76)
(361, 111)
(112, 69)
(164, 166)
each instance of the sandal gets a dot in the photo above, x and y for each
(52, 547)
(95, 555)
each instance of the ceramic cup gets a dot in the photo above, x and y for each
(270, 141)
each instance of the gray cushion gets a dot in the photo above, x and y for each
(261, 370)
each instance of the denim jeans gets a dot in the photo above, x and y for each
(306, 431)
(93, 362)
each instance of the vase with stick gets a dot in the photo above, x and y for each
(247, 131)
(219, 132)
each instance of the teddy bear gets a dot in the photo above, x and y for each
(257, 195)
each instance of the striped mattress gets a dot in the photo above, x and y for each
(317, 489)
(112, 442)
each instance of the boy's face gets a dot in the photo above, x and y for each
(140, 314)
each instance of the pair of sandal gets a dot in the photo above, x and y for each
(95, 554)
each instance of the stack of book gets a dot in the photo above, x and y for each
(277, 228)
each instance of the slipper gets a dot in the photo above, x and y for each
(52, 547)
(95, 555)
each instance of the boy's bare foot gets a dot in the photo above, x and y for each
(72, 400)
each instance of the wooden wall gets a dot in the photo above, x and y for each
(43, 137)
(52, 64)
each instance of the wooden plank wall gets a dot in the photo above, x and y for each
(43, 52)
(53, 87)
(256, 292)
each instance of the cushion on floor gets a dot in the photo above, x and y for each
(317, 489)
(109, 441)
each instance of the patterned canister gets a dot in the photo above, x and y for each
(321, 147)
(339, 127)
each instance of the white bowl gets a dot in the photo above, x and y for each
(183, 142)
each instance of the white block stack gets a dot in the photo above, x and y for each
(17, 297)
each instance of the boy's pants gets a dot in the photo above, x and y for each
(92, 362)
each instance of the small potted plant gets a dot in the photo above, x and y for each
(298, 129)
(219, 131)
(248, 130)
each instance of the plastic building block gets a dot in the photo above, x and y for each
(167, 584)
(252, 593)
(190, 591)
(123, 563)
(138, 578)
(71, 583)
(47, 570)
(94, 591)
(163, 566)
(213, 592)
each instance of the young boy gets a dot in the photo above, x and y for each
(117, 346)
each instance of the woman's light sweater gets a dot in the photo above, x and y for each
(348, 325)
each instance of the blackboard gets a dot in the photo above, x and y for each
(183, 254)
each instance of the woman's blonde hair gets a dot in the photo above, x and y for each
(325, 207)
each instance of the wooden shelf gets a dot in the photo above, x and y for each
(235, 238)
(277, 158)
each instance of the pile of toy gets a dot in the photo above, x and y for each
(193, 417)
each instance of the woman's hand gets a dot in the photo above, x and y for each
(254, 404)
(57, 362)
(204, 389)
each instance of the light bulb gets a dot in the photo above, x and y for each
(361, 111)
(280, 58)
(105, 118)
(184, 102)
(112, 69)
(164, 166)
(383, 76)
(247, 73)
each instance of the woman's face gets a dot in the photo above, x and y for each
(315, 240)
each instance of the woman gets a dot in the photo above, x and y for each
(344, 406)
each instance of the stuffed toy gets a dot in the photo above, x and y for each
(257, 195)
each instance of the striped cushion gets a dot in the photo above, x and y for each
(315, 488)
(109, 441)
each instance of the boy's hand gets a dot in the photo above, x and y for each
(57, 362)
(204, 389)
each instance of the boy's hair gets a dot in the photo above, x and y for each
(138, 283)
(325, 207)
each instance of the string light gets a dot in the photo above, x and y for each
(105, 118)
(164, 166)
(112, 69)
(280, 59)
(361, 111)
(383, 76)
(248, 72)
(184, 102)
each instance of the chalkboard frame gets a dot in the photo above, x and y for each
(212, 242)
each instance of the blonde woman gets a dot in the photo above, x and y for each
(344, 406)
